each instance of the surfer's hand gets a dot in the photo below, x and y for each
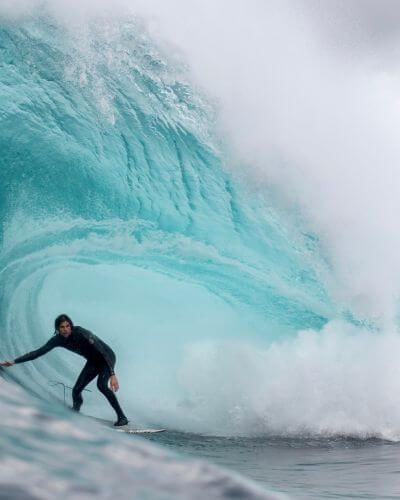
(114, 383)
(7, 363)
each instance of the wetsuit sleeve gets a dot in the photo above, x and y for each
(48, 346)
(101, 348)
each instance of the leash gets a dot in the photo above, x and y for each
(53, 383)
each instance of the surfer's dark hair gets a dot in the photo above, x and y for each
(60, 319)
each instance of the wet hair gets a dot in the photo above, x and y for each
(60, 319)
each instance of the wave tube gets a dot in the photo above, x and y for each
(119, 209)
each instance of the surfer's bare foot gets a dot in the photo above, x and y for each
(121, 421)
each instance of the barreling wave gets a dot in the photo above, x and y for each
(119, 208)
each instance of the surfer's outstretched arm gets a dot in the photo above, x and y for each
(48, 346)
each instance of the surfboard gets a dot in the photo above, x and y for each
(128, 429)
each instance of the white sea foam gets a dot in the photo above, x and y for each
(340, 381)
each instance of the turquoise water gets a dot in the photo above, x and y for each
(120, 207)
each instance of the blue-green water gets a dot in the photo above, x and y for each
(302, 467)
(119, 206)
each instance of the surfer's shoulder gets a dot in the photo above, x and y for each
(79, 330)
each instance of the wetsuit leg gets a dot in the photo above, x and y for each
(89, 372)
(102, 385)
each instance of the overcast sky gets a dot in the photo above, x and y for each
(369, 26)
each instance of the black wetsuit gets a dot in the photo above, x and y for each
(100, 361)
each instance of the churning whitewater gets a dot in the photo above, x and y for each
(122, 205)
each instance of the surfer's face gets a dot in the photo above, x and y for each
(65, 329)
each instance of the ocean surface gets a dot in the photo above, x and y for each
(122, 206)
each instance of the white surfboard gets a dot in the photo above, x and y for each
(128, 429)
(136, 431)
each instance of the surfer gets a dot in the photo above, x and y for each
(100, 362)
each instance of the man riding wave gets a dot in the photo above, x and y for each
(100, 362)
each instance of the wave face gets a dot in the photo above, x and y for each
(117, 208)
(120, 208)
